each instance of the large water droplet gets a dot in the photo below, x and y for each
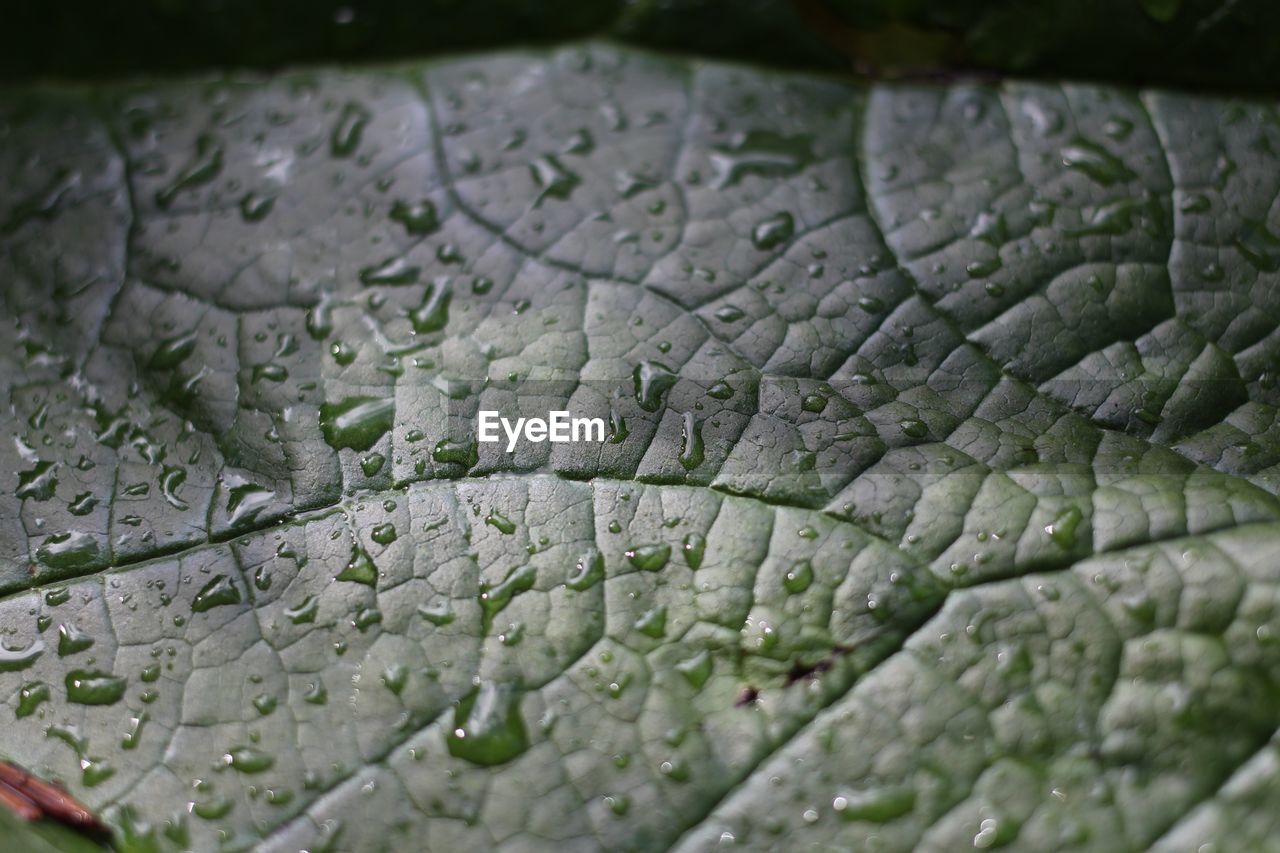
(91, 687)
(69, 550)
(356, 422)
(360, 568)
(494, 599)
(172, 352)
(488, 728)
(691, 447)
(552, 178)
(649, 558)
(219, 591)
(588, 571)
(695, 546)
(249, 760)
(38, 484)
(72, 640)
(773, 231)
(763, 153)
(652, 380)
(13, 660)
(31, 697)
(877, 805)
(418, 218)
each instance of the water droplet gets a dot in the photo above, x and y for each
(914, 428)
(219, 591)
(316, 694)
(172, 352)
(763, 153)
(720, 391)
(629, 183)
(212, 808)
(320, 318)
(552, 178)
(203, 168)
(877, 805)
(70, 550)
(31, 697)
(71, 640)
(255, 208)
(171, 479)
(983, 268)
(588, 571)
(813, 403)
(493, 600)
(345, 138)
(372, 464)
(395, 677)
(1062, 530)
(456, 452)
(418, 218)
(56, 597)
(649, 558)
(356, 422)
(360, 568)
(38, 484)
(773, 231)
(270, 371)
(488, 728)
(990, 228)
(653, 622)
(617, 427)
(579, 142)
(437, 614)
(95, 771)
(304, 612)
(798, 577)
(432, 314)
(248, 760)
(697, 669)
(695, 546)
(652, 380)
(691, 447)
(1096, 162)
(91, 687)
(393, 271)
(499, 521)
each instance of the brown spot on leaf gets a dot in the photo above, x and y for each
(33, 799)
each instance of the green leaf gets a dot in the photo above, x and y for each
(938, 504)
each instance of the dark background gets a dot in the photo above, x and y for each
(1190, 43)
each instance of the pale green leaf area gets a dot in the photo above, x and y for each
(944, 518)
